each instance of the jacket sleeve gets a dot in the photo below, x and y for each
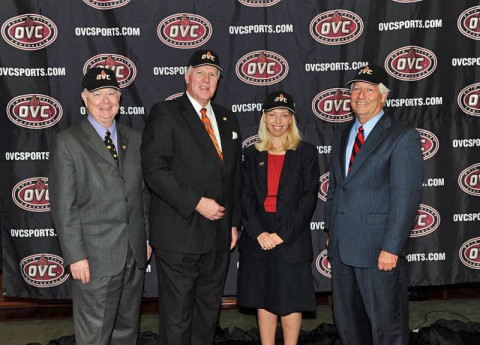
(406, 179)
(304, 207)
(63, 202)
(157, 152)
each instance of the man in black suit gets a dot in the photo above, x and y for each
(375, 186)
(191, 154)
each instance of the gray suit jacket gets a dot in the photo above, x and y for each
(97, 207)
(375, 206)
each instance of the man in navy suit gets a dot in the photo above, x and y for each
(375, 187)
(191, 154)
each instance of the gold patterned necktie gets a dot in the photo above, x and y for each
(211, 133)
(110, 146)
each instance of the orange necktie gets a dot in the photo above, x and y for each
(211, 133)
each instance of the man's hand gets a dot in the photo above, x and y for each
(234, 237)
(387, 261)
(265, 241)
(149, 251)
(210, 209)
(80, 271)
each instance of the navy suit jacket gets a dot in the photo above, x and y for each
(297, 196)
(374, 207)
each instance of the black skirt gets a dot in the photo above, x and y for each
(272, 283)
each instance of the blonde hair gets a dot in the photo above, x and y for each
(290, 141)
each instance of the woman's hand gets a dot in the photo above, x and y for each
(265, 241)
(276, 239)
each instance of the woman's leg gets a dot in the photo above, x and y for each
(267, 324)
(291, 324)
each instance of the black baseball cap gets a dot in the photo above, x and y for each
(204, 57)
(100, 78)
(372, 74)
(278, 99)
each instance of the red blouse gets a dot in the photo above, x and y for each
(275, 165)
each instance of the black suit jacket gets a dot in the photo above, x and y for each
(296, 200)
(180, 165)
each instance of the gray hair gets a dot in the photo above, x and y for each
(189, 71)
(383, 89)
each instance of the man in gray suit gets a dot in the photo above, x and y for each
(375, 187)
(97, 204)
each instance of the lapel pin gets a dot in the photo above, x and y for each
(124, 147)
(224, 118)
(261, 164)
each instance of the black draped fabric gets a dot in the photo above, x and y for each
(309, 48)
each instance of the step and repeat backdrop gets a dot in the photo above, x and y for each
(308, 48)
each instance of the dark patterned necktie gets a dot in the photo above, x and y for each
(359, 141)
(211, 133)
(110, 146)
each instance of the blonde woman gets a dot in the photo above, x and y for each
(280, 186)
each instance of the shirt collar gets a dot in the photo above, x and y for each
(102, 130)
(368, 126)
(197, 105)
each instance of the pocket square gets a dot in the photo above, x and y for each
(234, 135)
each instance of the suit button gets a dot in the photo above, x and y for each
(123, 177)
(344, 189)
(126, 199)
(128, 221)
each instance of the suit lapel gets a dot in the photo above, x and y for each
(343, 147)
(287, 167)
(261, 166)
(96, 143)
(379, 132)
(195, 123)
(225, 136)
(122, 146)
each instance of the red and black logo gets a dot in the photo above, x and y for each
(175, 95)
(249, 141)
(29, 32)
(411, 63)
(469, 180)
(32, 194)
(333, 105)
(34, 111)
(427, 221)
(125, 70)
(106, 4)
(469, 100)
(322, 193)
(323, 264)
(184, 31)
(261, 67)
(430, 143)
(469, 253)
(259, 3)
(336, 27)
(43, 270)
(469, 22)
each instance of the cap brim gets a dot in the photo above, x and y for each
(105, 87)
(363, 80)
(209, 64)
(280, 107)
